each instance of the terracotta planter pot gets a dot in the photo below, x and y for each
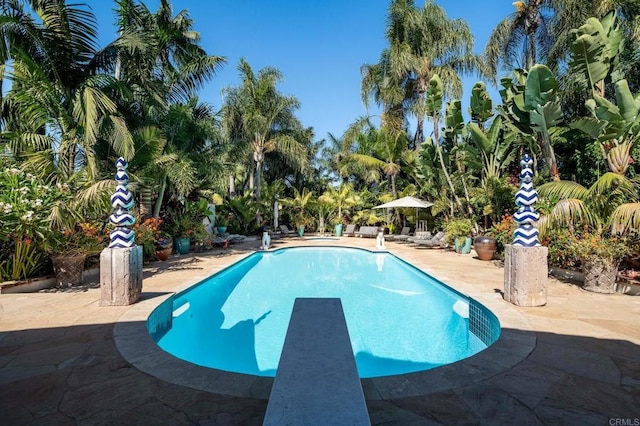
(163, 254)
(68, 269)
(485, 247)
(600, 275)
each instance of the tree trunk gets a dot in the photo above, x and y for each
(550, 156)
(436, 136)
(252, 177)
(163, 186)
(258, 178)
(419, 136)
(464, 186)
(232, 185)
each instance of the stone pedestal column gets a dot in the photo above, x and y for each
(525, 275)
(121, 262)
(120, 276)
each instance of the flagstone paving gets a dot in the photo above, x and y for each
(65, 360)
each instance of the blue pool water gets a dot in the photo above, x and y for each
(400, 319)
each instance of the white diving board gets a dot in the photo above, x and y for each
(317, 380)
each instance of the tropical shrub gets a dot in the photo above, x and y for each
(457, 228)
(561, 253)
(589, 247)
(84, 238)
(147, 234)
(503, 232)
(30, 209)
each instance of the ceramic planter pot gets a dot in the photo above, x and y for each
(182, 245)
(338, 230)
(485, 247)
(462, 246)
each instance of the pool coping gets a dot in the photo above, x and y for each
(517, 340)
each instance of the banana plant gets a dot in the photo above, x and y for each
(616, 127)
(531, 105)
(594, 50)
(433, 109)
(455, 134)
(480, 106)
(495, 147)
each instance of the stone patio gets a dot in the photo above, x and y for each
(65, 360)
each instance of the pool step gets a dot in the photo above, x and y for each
(317, 381)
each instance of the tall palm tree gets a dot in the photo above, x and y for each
(59, 106)
(523, 38)
(422, 42)
(260, 120)
(158, 54)
(387, 156)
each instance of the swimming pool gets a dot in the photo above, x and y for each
(400, 320)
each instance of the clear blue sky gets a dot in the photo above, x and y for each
(319, 46)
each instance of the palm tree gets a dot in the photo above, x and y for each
(158, 54)
(301, 202)
(188, 158)
(389, 150)
(422, 42)
(260, 120)
(522, 38)
(610, 206)
(59, 107)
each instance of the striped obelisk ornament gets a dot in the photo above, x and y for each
(122, 200)
(526, 234)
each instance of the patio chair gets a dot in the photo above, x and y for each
(367, 231)
(419, 236)
(402, 236)
(286, 231)
(350, 230)
(437, 241)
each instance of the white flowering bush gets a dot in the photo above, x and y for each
(26, 205)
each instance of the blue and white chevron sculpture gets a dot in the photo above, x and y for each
(122, 200)
(526, 234)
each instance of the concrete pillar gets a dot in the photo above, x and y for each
(525, 275)
(120, 276)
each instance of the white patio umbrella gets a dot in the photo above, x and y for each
(407, 201)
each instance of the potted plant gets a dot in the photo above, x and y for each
(301, 201)
(341, 199)
(69, 247)
(221, 223)
(457, 232)
(163, 246)
(185, 223)
(600, 257)
(301, 222)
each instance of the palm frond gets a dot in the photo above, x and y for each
(563, 189)
(626, 219)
